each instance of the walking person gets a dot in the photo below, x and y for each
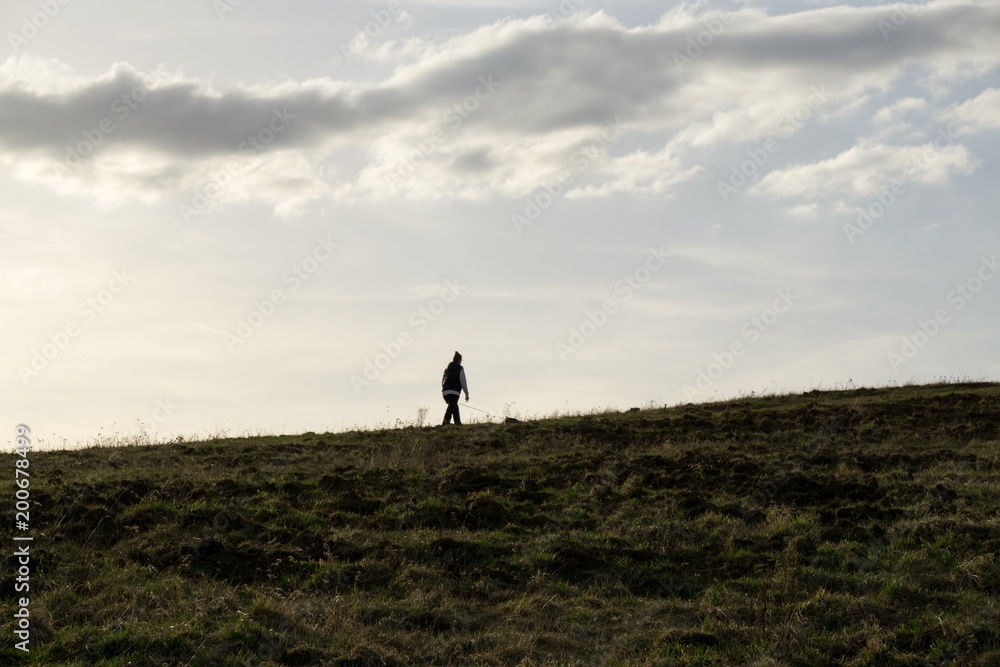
(452, 385)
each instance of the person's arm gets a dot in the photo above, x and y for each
(465, 386)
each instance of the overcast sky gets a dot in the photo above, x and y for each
(274, 217)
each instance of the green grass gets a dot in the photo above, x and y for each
(851, 527)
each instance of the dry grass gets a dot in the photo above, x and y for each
(852, 527)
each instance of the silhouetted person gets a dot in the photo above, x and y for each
(452, 385)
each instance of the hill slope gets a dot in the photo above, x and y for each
(848, 527)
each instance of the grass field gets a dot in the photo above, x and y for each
(855, 527)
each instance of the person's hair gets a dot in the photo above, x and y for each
(457, 358)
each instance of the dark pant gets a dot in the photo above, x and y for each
(452, 411)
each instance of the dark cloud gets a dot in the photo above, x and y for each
(522, 82)
(562, 75)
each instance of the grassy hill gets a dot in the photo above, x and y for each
(853, 527)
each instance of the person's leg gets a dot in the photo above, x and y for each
(447, 411)
(452, 410)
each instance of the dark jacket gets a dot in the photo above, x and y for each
(453, 380)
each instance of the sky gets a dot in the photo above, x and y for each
(243, 217)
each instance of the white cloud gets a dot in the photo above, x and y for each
(804, 212)
(976, 115)
(892, 113)
(866, 168)
(553, 86)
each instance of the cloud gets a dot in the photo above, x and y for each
(893, 112)
(867, 168)
(500, 111)
(976, 115)
(804, 212)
